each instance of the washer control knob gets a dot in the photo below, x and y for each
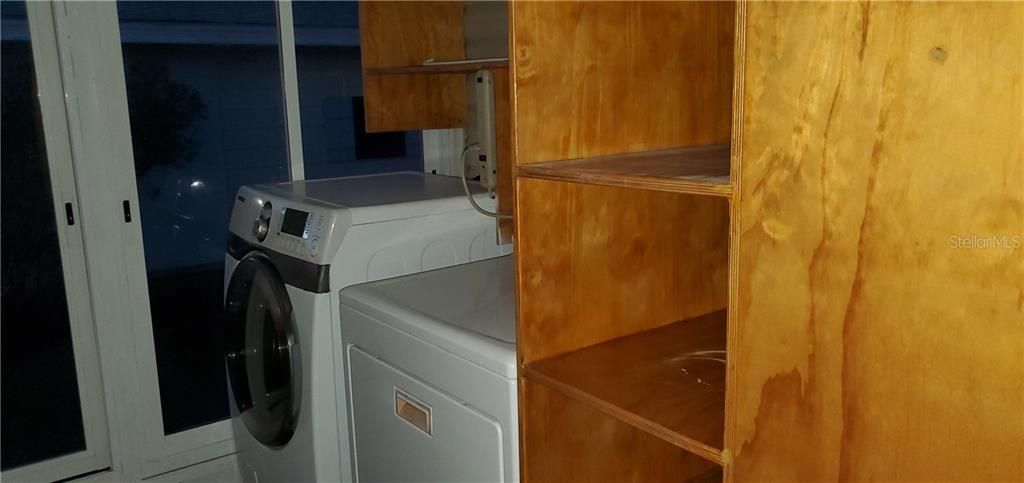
(314, 247)
(262, 225)
(260, 229)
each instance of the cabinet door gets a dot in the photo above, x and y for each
(399, 34)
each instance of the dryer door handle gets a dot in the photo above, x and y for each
(413, 411)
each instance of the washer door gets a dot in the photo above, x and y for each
(262, 353)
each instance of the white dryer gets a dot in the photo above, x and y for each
(291, 247)
(431, 375)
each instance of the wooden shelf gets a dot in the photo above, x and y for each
(702, 170)
(444, 67)
(644, 381)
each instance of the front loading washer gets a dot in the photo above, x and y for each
(290, 247)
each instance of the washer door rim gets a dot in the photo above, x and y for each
(262, 351)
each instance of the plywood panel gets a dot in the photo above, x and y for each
(697, 170)
(598, 262)
(606, 450)
(396, 34)
(879, 329)
(662, 381)
(595, 78)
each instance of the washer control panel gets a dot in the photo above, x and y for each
(298, 233)
(295, 227)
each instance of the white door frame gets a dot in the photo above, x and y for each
(290, 88)
(92, 69)
(96, 456)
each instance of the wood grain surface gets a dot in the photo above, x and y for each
(598, 262)
(652, 380)
(596, 78)
(702, 170)
(574, 442)
(879, 329)
(401, 34)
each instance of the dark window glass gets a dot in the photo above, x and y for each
(373, 145)
(206, 109)
(39, 404)
(334, 140)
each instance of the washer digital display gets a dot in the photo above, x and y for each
(295, 223)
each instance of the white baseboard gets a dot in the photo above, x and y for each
(218, 470)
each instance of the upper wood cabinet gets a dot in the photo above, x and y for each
(418, 66)
(400, 41)
(413, 80)
(403, 34)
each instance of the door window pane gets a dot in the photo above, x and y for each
(39, 399)
(334, 140)
(206, 110)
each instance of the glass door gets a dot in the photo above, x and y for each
(206, 107)
(51, 403)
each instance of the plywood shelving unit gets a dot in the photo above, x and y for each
(769, 178)
(622, 225)
(825, 270)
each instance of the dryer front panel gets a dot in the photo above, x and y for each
(405, 430)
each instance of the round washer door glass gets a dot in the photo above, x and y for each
(262, 353)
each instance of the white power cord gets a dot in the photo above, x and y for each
(465, 186)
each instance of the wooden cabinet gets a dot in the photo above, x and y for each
(621, 119)
(828, 196)
(418, 63)
(397, 36)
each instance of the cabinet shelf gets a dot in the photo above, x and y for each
(647, 381)
(442, 67)
(702, 170)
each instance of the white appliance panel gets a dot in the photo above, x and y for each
(408, 431)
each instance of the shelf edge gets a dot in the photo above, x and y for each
(655, 184)
(453, 67)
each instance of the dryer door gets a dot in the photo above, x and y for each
(262, 353)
